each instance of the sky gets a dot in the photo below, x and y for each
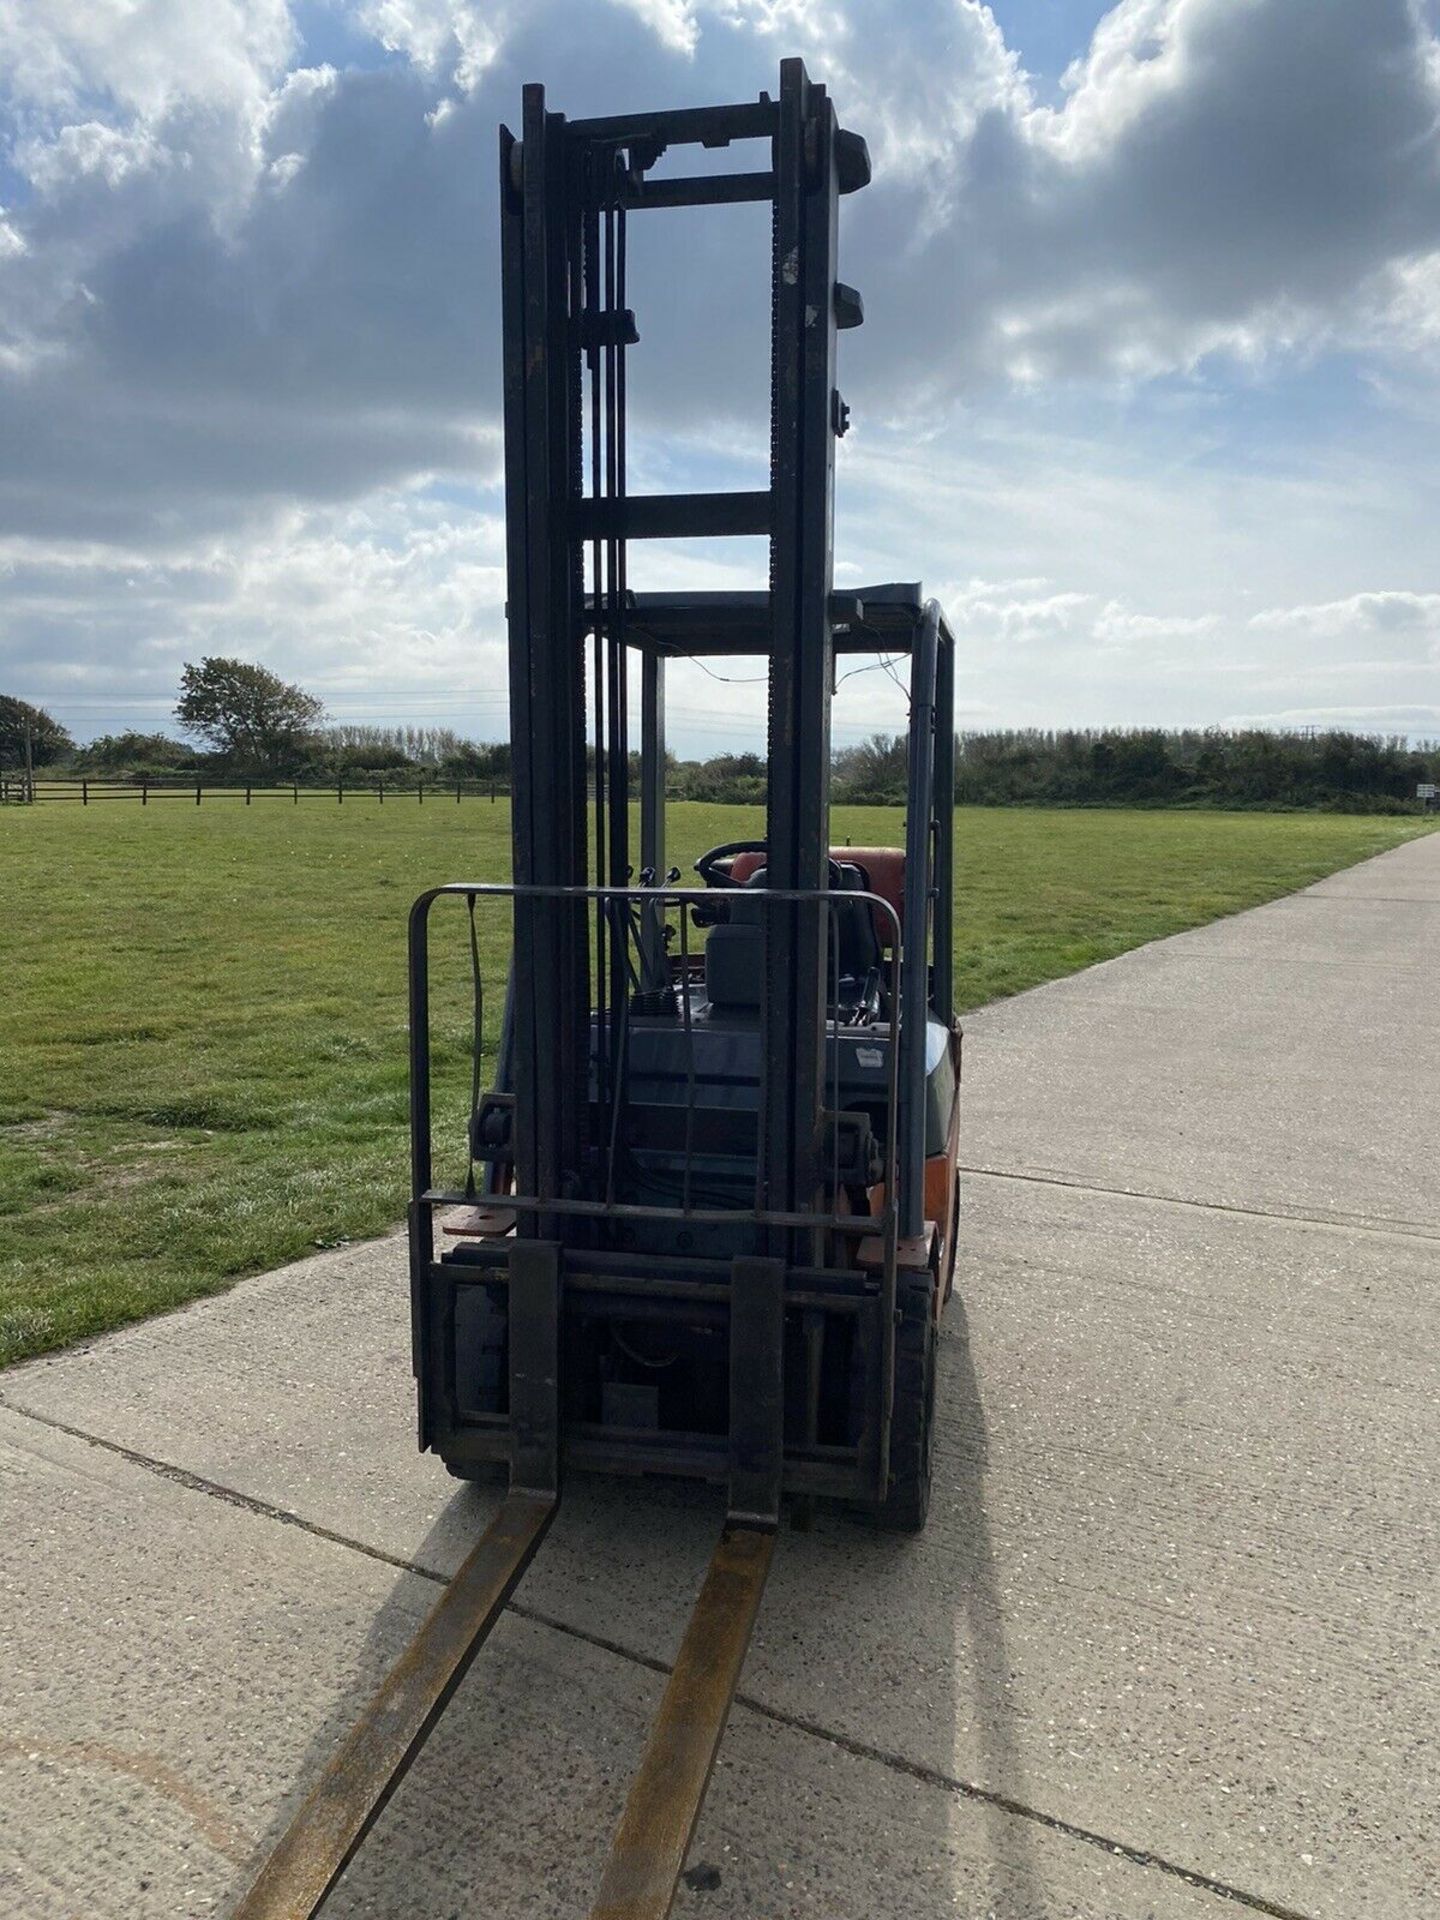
(1147, 393)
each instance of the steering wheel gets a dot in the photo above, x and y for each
(714, 874)
(714, 867)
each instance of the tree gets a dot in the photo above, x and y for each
(379, 758)
(873, 772)
(415, 746)
(48, 739)
(727, 779)
(246, 712)
(119, 752)
(485, 760)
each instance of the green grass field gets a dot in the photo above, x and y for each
(203, 1067)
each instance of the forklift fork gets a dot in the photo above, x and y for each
(351, 1793)
(648, 1853)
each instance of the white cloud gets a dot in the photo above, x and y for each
(451, 40)
(1018, 618)
(91, 148)
(145, 56)
(1406, 623)
(1139, 59)
(673, 22)
(1118, 625)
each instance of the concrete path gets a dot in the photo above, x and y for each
(1167, 1651)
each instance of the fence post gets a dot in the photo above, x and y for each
(339, 793)
(420, 791)
(492, 793)
(84, 793)
(144, 792)
(457, 793)
(197, 793)
(381, 785)
(295, 787)
(247, 794)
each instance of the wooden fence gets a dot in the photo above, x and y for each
(16, 790)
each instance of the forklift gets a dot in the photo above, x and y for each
(710, 1218)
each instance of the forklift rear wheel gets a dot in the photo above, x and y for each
(912, 1422)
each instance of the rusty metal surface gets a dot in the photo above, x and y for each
(345, 1801)
(654, 1832)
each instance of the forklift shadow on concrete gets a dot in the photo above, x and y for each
(876, 1694)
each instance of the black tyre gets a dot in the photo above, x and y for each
(912, 1424)
(480, 1473)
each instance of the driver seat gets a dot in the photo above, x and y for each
(735, 949)
(881, 869)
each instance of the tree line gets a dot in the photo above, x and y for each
(1151, 766)
(244, 722)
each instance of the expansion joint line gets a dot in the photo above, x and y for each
(1334, 1223)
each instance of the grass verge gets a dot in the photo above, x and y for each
(203, 1062)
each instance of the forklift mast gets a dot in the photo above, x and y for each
(568, 189)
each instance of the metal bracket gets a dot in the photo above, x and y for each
(757, 1397)
(852, 161)
(535, 1367)
(849, 307)
(595, 330)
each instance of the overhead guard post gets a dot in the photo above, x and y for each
(915, 960)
